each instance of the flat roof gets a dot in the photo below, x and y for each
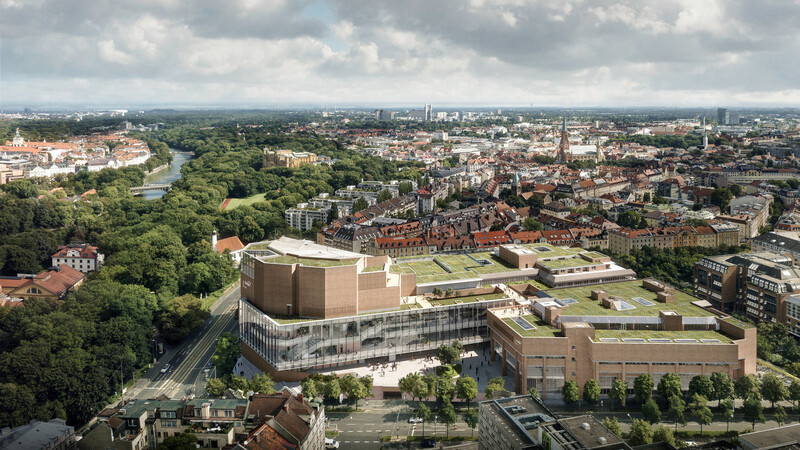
(662, 337)
(311, 262)
(626, 291)
(435, 268)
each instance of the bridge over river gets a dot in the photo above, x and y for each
(138, 190)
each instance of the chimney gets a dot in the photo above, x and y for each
(286, 406)
(300, 397)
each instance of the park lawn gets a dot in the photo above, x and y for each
(237, 202)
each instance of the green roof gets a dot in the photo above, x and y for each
(471, 299)
(451, 267)
(542, 329)
(311, 262)
(626, 290)
(373, 269)
(564, 263)
(549, 251)
(738, 323)
(658, 334)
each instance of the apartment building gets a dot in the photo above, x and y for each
(81, 257)
(304, 216)
(398, 246)
(622, 241)
(52, 284)
(757, 284)
(54, 434)
(778, 243)
(615, 331)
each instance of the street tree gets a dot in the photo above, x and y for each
(182, 441)
(746, 386)
(408, 383)
(753, 410)
(664, 434)
(612, 423)
(466, 389)
(773, 389)
(471, 418)
(445, 388)
(669, 386)
(619, 391)
(332, 389)
(794, 392)
(723, 385)
(701, 384)
(424, 413)
(641, 433)
(570, 392)
(726, 409)
(447, 415)
(700, 411)
(643, 387)
(780, 415)
(677, 410)
(651, 412)
(591, 390)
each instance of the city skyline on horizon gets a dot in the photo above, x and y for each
(327, 52)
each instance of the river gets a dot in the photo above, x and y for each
(167, 175)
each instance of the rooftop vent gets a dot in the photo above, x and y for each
(585, 426)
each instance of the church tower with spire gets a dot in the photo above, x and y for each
(564, 155)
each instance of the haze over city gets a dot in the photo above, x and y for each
(328, 52)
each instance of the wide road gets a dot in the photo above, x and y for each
(187, 361)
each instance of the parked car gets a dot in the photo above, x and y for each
(165, 368)
(330, 443)
(415, 420)
(428, 443)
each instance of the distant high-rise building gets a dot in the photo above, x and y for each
(723, 116)
(733, 118)
(705, 135)
(428, 112)
(382, 114)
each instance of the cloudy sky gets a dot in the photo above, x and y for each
(371, 52)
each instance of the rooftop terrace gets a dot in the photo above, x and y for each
(565, 263)
(627, 291)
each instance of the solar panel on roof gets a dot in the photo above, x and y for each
(633, 340)
(659, 340)
(686, 341)
(709, 341)
(609, 340)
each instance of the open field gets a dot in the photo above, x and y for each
(233, 203)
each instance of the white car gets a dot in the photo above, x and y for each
(165, 368)
(690, 443)
(330, 443)
(415, 420)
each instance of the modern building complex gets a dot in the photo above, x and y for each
(81, 257)
(524, 422)
(543, 308)
(615, 331)
(756, 284)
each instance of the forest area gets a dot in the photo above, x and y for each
(67, 358)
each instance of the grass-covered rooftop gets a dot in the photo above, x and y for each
(627, 291)
(541, 329)
(709, 336)
(451, 267)
(311, 262)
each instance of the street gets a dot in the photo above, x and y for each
(188, 359)
(363, 430)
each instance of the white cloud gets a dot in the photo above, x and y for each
(602, 52)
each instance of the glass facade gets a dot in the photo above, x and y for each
(329, 342)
